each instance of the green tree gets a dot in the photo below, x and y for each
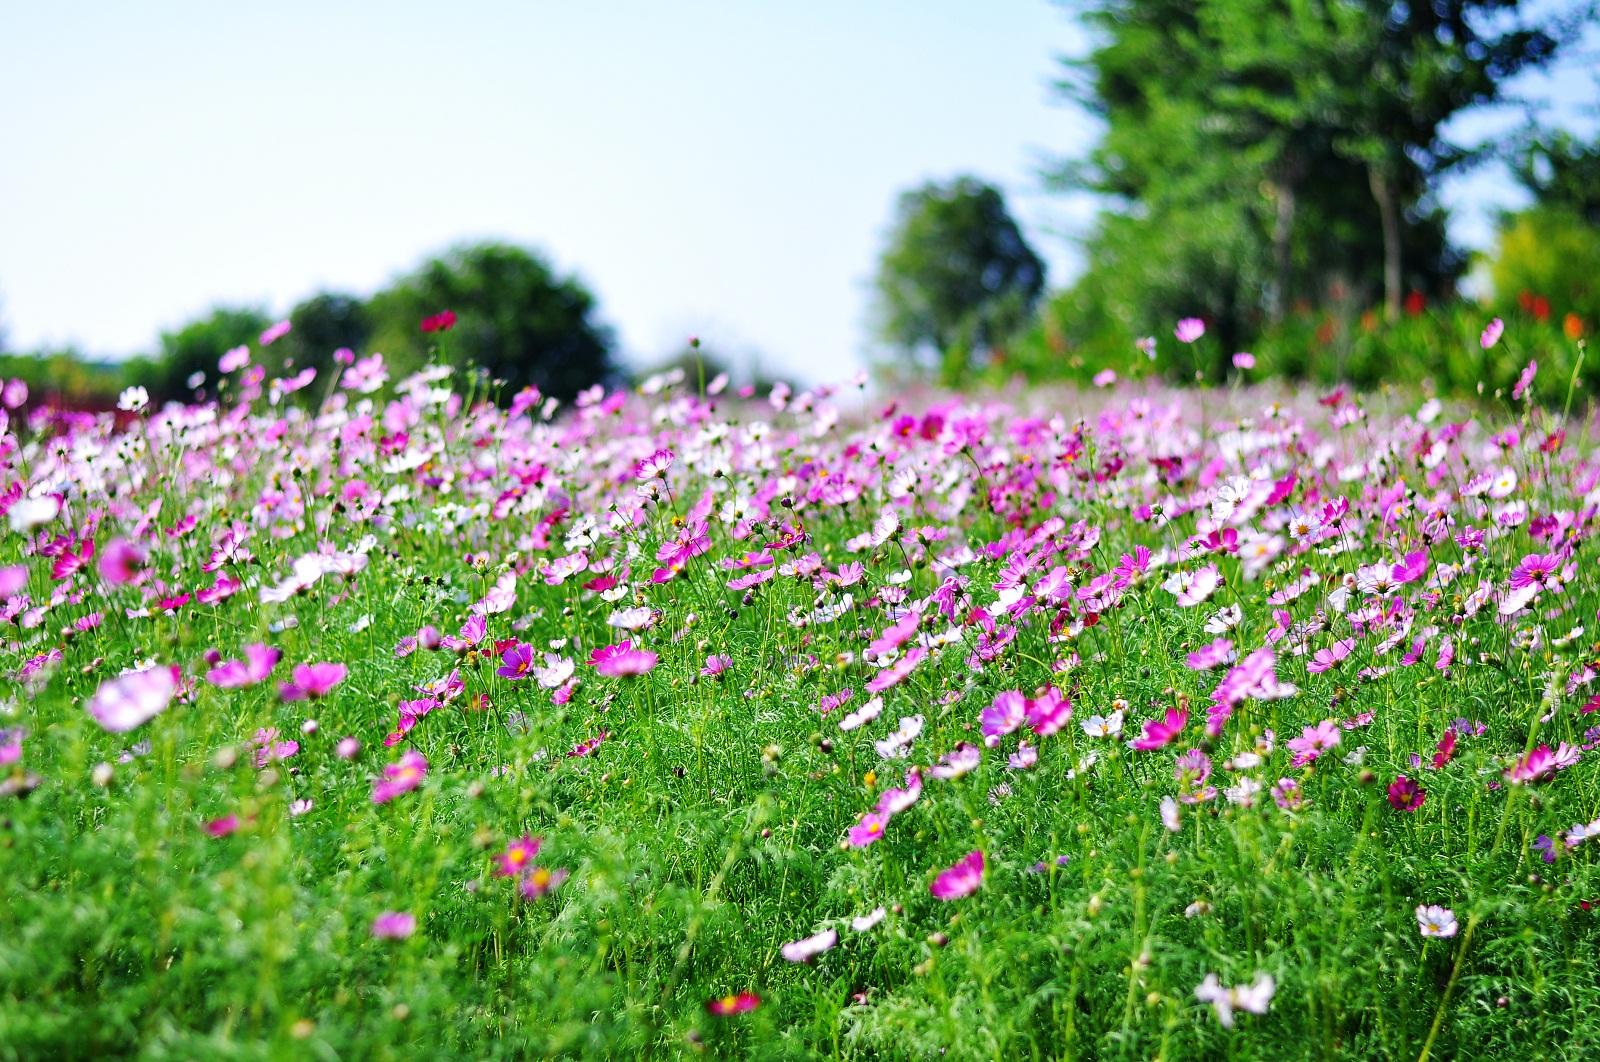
(320, 326)
(957, 275)
(1546, 259)
(1254, 125)
(199, 345)
(515, 318)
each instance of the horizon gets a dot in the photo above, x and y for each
(690, 166)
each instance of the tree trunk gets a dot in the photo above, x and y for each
(1282, 230)
(1389, 216)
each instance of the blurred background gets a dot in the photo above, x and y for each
(1343, 190)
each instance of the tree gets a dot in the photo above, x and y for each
(514, 318)
(1262, 116)
(957, 274)
(198, 346)
(1563, 173)
(321, 325)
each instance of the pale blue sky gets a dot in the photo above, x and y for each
(727, 169)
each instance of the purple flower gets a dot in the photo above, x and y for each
(516, 662)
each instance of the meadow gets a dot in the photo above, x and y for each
(360, 717)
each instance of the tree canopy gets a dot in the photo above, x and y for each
(957, 275)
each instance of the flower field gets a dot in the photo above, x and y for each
(369, 718)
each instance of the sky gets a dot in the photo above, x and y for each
(723, 169)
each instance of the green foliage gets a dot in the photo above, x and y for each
(321, 325)
(196, 348)
(1257, 155)
(64, 376)
(515, 318)
(1548, 252)
(957, 276)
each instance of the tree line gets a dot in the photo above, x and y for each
(1259, 160)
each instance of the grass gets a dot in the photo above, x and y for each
(709, 828)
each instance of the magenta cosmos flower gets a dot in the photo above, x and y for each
(1161, 732)
(394, 925)
(402, 776)
(739, 1003)
(131, 700)
(1491, 333)
(312, 680)
(622, 659)
(1405, 794)
(275, 332)
(516, 662)
(961, 879)
(1189, 329)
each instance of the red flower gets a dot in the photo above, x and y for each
(733, 1004)
(1416, 302)
(442, 321)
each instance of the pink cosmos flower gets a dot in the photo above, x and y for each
(1525, 381)
(1491, 333)
(275, 332)
(259, 660)
(868, 830)
(963, 760)
(961, 879)
(1253, 998)
(402, 776)
(653, 467)
(131, 700)
(807, 948)
(1536, 569)
(311, 681)
(13, 579)
(518, 856)
(11, 745)
(1436, 921)
(1330, 657)
(1313, 742)
(222, 827)
(622, 659)
(1244, 360)
(1004, 715)
(1048, 712)
(1542, 763)
(541, 881)
(1161, 732)
(121, 561)
(394, 925)
(233, 360)
(1189, 330)
(716, 665)
(1207, 657)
